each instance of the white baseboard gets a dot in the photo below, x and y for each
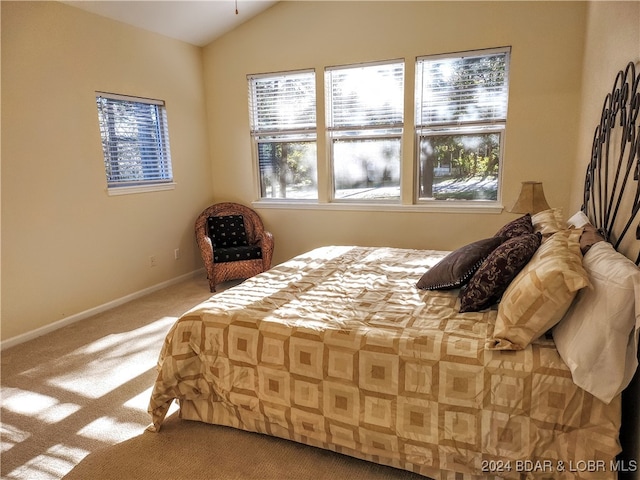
(93, 311)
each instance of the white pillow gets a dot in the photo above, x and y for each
(578, 220)
(598, 336)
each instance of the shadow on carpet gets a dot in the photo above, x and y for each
(197, 451)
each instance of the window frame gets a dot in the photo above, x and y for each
(409, 166)
(161, 165)
(467, 127)
(304, 133)
(393, 130)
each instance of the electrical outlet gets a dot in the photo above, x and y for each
(176, 253)
(153, 261)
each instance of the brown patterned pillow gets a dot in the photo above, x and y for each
(495, 274)
(456, 268)
(517, 227)
(541, 293)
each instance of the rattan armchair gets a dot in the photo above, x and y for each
(233, 243)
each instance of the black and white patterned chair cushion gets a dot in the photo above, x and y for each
(227, 231)
(234, 254)
(229, 238)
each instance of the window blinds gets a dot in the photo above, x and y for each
(368, 95)
(135, 140)
(462, 89)
(281, 103)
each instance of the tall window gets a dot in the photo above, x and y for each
(283, 127)
(461, 114)
(365, 115)
(135, 140)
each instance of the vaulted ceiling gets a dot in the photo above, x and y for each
(197, 22)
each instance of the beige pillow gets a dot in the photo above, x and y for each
(548, 222)
(541, 293)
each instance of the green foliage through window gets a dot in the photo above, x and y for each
(460, 120)
(461, 113)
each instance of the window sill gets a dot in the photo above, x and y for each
(431, 207)
(159, 187)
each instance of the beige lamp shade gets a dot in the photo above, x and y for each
(531, 199)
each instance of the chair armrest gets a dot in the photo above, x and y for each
(206, 248)
(266, 242)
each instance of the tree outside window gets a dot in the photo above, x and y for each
(365, 117)
(461, 112)
(283, 127)
(460, 121)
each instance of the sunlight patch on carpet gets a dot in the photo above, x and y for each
(51, 465)
(11, 436)
(140, 401)
(36, 405)
(115, 360)
(111, 430)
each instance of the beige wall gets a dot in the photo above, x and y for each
(66, 246)
(612, 40)
(546, 68)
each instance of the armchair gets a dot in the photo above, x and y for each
(233, 243)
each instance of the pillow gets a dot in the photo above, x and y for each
(494, 275)
(548, 221)
(457, 267)
(578, 220)
(598, 337)
(517, 227)
(227, 231)
(541, 293)
(590, 236)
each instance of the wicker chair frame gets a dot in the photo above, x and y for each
(256, 235)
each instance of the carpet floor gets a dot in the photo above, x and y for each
(74, 406)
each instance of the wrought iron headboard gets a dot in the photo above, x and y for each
(612, 186)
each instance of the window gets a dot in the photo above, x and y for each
(455, 161)
(283, 128)
(461, 114)
(135, 142)
(365, 115)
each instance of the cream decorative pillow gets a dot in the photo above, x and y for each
(548, 222)
(541, 293)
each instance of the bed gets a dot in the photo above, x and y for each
(472, 364)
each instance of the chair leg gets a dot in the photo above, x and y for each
(212, 285)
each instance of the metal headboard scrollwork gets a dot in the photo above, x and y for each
(612, 185)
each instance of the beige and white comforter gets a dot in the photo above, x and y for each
(336, 348)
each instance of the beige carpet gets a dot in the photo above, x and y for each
(74, 406)
(191, 450)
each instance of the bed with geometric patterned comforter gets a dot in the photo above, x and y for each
(338, 349)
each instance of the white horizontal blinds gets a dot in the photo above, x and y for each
(135, 140)
(368, 95)
(283, 102)
(462, 88)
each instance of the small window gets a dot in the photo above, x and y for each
(135, 142)
(461, 114)
(365, 117)
(282, 110)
